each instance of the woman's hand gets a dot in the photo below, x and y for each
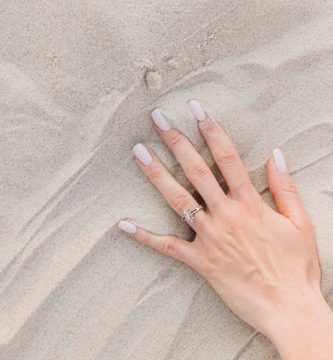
(263, 263)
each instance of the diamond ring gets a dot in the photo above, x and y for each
(188, 215)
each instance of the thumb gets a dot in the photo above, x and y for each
(169, 245)
(284, 191)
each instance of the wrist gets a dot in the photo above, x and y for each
(300, 324)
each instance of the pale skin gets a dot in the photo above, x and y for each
(263, 263)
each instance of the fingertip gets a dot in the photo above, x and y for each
(279, 160)
(197, 110)
(127, 226)
(160, 121)
(274, 176)
(142, 153)
(276, 166)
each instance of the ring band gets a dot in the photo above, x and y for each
(188, 215)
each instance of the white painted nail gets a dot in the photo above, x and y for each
(127, 226)
(280, 161)
(160, 120)
(142, 153)
(197, 110)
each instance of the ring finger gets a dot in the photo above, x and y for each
(176, 195)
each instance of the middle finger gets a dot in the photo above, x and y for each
(194, 166)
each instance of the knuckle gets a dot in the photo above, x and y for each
(290, 187)
(176, 139)
(227, 158)
(154, 172)
(169, 246)
(146, 239)
(208, 127)
(232, 220)
(256, 207)
(217, 202)
(198, 172)
(180, 202)
(242, 185)
(231, 226)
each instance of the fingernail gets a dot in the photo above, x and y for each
(160, 120)
(142, 153)
(280, 161)
(197, 110)
(127, 226)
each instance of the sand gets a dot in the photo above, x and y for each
(77, 83)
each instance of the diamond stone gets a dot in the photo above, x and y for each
(187, 215)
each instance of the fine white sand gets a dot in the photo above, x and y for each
(77, 82)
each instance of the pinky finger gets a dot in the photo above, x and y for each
(169, 245)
